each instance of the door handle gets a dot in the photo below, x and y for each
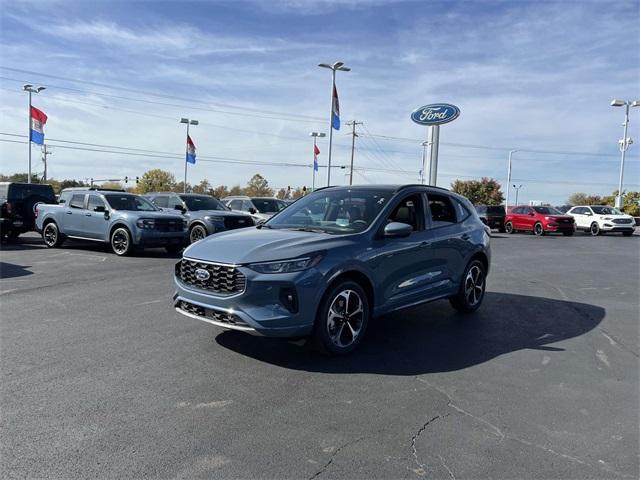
(87, 214)
(68, 213)
(466, 236)
(425, 244)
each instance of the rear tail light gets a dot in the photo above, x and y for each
(9, 208)
(35, 211)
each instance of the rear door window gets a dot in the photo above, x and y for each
(77, 201)
(94, 201)
(442, 209)
(162, 202)
(235, 204)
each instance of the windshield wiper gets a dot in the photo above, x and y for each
(307, 229)
(263, 225)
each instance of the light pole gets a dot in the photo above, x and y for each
(517, 191)
(506, 203)
(188, 122)
(624, 142)
(315, 136)
(30, 89)
(424, 161)
(335, 67)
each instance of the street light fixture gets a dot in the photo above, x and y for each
(506, 203)
(187, 122)
(625, 142)
(315, 136)
(337, 66)
(27, 87)
(517, 191)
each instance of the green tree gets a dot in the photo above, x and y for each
(71, 184)
(236, 190)
(24, 177)
(580, 198)
(111, 185)
(220, 191)
(485, 191)
(203, 187)
(631, 203)
(258, 187)
(156, 180)
(179, 187)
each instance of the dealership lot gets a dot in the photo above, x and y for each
(101, 378)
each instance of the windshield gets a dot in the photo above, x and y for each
(202, 202)
(267, 205)
(337, 212)
(131, 203)
(606, 211)
(547, 210)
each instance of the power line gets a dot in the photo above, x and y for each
(152, 94)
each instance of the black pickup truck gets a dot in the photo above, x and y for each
(492, 216)
(18, 203)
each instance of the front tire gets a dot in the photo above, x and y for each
(567, 234)
(538, 230)
(121, 242)
(51, 235)
(197, 233)
(472, 288)
(508, 227)
(594, 229)
(342, 318)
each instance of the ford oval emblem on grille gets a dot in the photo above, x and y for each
(202, 274)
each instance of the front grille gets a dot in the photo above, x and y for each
(169, 225)
(222, 279)
(566, 220)
(231, 223)
(622, 220)
(220, 317)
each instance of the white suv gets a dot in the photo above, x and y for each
(597, 219)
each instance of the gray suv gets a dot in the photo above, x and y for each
(336, 258)
(123, 220)
(205, 214)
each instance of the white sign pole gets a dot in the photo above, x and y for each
(434, 140)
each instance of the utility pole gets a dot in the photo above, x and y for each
(45, 152)
(353, 146)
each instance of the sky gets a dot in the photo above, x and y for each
(536, 77)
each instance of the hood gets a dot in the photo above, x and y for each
(219, 213)
(558, 217)
(162, 214)
(260, 245)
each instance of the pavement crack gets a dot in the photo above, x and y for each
(415, 438)
(333, 456)
(442, 462)
(617, 343)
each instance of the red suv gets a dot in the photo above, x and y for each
(538, 220)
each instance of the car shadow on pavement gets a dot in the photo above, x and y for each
(11, 270)
(434, 338)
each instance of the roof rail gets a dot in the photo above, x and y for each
(108, 189)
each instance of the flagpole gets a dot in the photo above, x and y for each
(29, 138)
(333, 87)
(186, 152)
(313, 167)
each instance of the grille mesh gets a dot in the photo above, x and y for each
(622, 220)
(223, 279)
(222, 317)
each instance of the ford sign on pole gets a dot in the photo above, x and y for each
(433, 116)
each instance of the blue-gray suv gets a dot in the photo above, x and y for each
(336, 258)
(205, 215)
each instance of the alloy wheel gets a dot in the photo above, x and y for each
(197, 233)
(508, 227)
(50, 235)
(538, 229)
(474, 285)
(345, 318)
(595, 229)
(120, 242)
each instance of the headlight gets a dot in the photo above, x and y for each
(147, 223)
(547, 218)
(605, 218)
(287, 266)
(214, 219)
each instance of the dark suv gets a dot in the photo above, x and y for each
(18, 203)
(335, 258)
(492, 216)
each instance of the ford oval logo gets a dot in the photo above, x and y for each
(435, 114)
(202, 274)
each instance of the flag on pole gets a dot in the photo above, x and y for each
(335, 110)
(191, 151)
(38, 120)
(316, 152)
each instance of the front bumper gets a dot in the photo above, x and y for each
(560, 227)
(617, 227)
(151, 238)
(260, 308)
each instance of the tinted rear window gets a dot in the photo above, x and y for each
(20, 192)
(495, 210)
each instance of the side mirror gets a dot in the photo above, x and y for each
(397, 230)
(252, 210)
(100, 208)
(181, 208)
(107, 215)
(587, 213)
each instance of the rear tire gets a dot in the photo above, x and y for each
(342, 318)
(594, 229)
(508, 228)
(472, 288)
(538, 229)
(501, 229)
(121, 243)
(567, 234)
(51, 235)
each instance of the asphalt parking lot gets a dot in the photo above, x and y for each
(101, 378)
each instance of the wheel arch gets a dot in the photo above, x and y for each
(116, 225)
(357, 276)
(483, 258)
(199, 223)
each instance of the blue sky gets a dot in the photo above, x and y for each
(532, 76)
